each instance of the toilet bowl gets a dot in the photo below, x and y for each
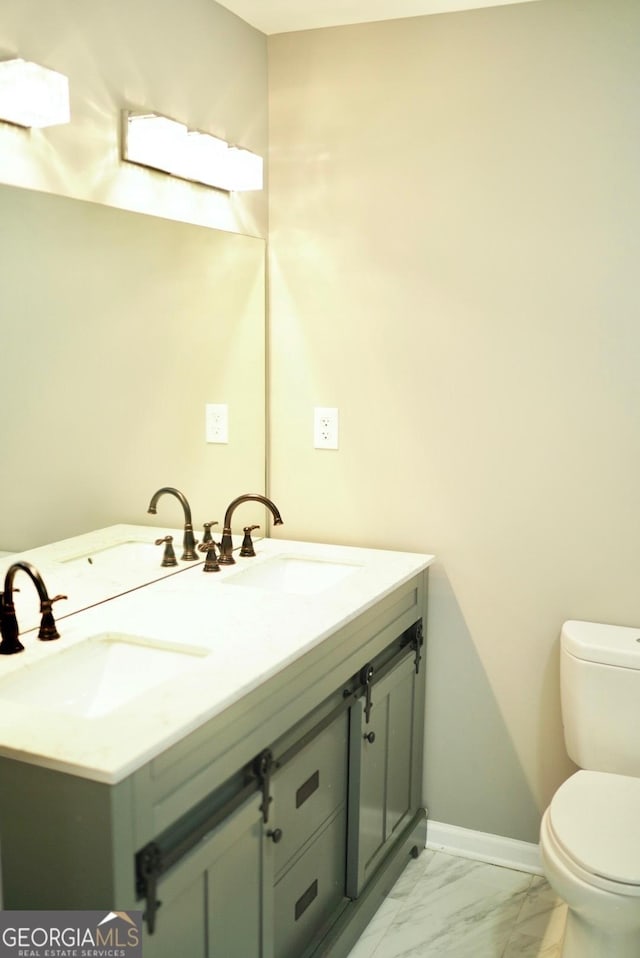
(590, 849)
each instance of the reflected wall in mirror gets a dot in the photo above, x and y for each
(116, 329)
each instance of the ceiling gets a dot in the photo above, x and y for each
(284, 16)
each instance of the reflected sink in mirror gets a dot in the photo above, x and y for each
(294, 574)
(121, 558)
(99, 675)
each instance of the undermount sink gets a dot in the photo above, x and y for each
(295, 574)
(99, 675)
(119, 558)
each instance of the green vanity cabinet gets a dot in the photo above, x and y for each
(273, 830)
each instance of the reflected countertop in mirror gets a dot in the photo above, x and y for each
(92, 568)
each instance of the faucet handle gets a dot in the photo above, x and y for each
(207, 537)
(211, 562)
(246, 549)
(48, 630)
(169, 556)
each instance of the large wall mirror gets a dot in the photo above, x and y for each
(116, 329)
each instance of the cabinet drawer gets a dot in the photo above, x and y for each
(309, 789)
(309, 895)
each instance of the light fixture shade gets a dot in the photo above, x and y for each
(245, 170)
(31, 95)
(205, 159)
(163, 144)
(155, 141)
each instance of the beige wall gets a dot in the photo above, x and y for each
(454, 209)
(116, 329)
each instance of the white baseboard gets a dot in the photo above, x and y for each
(481, 846)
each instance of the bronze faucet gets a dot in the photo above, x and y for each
(8, 621)
(188, 543)
(226, 545)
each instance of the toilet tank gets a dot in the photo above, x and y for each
(600, 694)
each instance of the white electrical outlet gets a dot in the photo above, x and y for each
(325, 427)
(217, 422)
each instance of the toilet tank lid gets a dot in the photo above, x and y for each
(605, 644)
(594, 816)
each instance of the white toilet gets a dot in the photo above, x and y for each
(590, 834)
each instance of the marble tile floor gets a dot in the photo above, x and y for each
(448, 907)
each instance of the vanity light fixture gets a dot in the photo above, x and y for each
(31, 95)
(171, 147)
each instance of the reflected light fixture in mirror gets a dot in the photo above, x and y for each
(33, 96)
(171, 147)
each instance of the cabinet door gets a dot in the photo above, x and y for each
(212, 900)
(383, 767)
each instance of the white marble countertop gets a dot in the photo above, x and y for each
(237, 637)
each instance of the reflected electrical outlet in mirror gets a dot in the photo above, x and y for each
(217, 422)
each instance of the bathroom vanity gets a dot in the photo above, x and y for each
(257, 802)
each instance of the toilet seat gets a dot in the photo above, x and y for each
(593, 818)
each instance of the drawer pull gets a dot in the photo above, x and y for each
(305, 900)
(370, 737)
(275, 834)
(308, 788)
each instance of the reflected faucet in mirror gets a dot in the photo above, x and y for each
(188, 543)
(226, 545)
(8, 620)
(207, 537)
